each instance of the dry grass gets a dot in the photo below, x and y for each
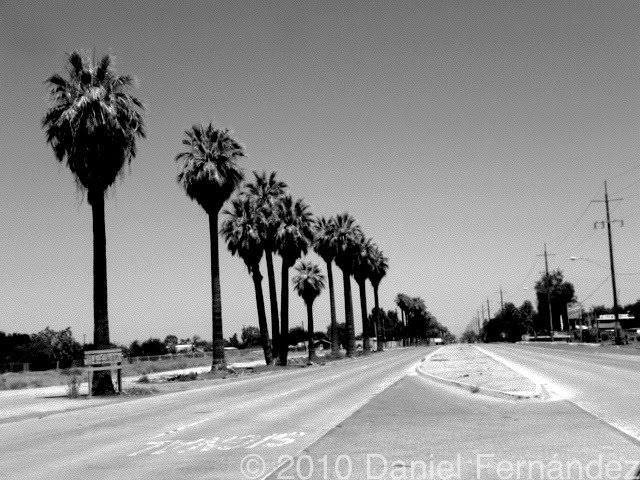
(50, 378)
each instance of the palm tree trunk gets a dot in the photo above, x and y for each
(284, 314)
(348, 315)
(262, 315)
(100, 312)
(335, 344)
(273, 302)
(312, 349)
(366, 340)
(218, 361)
(379, 319)
(102, 382)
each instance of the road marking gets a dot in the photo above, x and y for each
(203, 445)
(179, 429)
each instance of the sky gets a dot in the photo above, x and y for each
(461, 135)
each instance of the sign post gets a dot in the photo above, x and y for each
(96, 360)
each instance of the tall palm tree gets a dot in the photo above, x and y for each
(209, 174)
(324, 245)
(294, 236)
(379, 268)
(241, 230)
(361, 271)
(93, 123)
(404, 304)
(309, 282)
(346, 241)
(266, 191)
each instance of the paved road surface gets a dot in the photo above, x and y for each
(604, 383)
(202, 433)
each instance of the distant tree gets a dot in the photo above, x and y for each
(379, 268)
(561, 293)
(170, 341)
(293, 238)
(469, 336)
(505, 326)
(297, 335)
(209, 174)
(241, 229)
(309, 282)
(50, 347)
(347, 233)
(135, 350)
(341, 334)
(325, 246)
(362, 267)
(320, 335)
(153, 346)
(266, 192)
(13, 346)
(527, 317)
(250, 336)
(233, 341)
(448, 337)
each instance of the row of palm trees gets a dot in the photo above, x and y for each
(93, 124)
(264, 220)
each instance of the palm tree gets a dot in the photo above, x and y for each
(209, 174)
(309, 282)
(241, 230)
(266, 191)
(324, 246)
(379, 268)
(346, 240)
(293, 238)
(361, 271)
(93, 123)
(404, 302)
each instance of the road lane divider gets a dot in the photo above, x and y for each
(537, 392)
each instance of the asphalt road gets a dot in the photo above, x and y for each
(604, 383)
(203, 433)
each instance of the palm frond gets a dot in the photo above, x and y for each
(208, 170)
(93, 122)
(309, 280)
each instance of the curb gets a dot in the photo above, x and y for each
(537, 394)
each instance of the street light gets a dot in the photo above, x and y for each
(588, 260)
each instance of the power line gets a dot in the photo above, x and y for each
(627, 187)
(526, 278)
(575, 224)
(625, 172)
(597, 288)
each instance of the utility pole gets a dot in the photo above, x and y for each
(608, 221)
(482, 305)
(548, 287)
(488, 310)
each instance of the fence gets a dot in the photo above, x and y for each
(16, 367)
